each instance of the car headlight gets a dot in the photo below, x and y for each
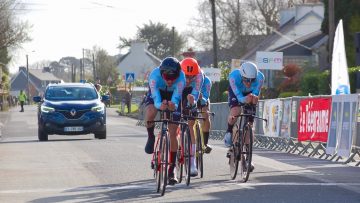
(99, 108)
(46, 109)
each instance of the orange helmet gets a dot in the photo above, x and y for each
(190, 66)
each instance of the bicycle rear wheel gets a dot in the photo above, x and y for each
(163, 164)
(234, 153)
(180, 156)
(199, 152)
(246, 155)
(187, 154)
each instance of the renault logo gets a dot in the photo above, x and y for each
(72, 112)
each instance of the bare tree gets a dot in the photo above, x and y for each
(239, 23)
(12, 32)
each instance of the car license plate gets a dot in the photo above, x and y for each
(73, 129)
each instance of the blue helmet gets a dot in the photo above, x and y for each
(170, 68)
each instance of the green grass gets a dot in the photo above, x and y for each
(134, 107)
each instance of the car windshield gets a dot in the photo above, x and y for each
(70, 93)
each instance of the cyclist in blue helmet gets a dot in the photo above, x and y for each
(166, 84)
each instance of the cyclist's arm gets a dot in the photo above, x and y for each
(239, 95)
(197, 84)
(258, 84)
(155, 93)
(205, 91)
(179, 87)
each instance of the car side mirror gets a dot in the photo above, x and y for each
(37, 99)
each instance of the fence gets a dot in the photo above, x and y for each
(326, 127)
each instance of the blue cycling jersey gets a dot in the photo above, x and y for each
(240, 90)
(196, 85)
(205, 90)
(157, 83)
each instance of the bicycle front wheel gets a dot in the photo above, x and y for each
(163, 164)
(199, 151)
(246, 155)
(180, 156)
(234, 153)
(187, 154)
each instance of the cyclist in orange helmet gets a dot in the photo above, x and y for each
(190, 96)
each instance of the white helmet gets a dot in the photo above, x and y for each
(248, 70)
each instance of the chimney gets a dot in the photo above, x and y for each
(46, 69)
(22, 68)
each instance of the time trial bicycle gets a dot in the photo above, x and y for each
(241, 150)
(159, 162)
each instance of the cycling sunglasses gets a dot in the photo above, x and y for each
(168, 77)
(248, 80)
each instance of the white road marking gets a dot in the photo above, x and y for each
(151, 186)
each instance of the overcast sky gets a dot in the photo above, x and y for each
(64, 27)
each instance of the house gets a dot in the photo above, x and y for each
(299, 37)
(138, 60)
(38, 80)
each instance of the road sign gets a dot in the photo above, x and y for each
(130, 77)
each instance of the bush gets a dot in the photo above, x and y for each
(310, 83)
(324, 82)
(289, 94)
(352, 78)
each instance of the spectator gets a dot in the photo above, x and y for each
(22, 99)
(128, 100)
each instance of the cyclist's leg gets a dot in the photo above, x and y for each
(187, 91)
(150, 114)
(173, 153)
(206, 125)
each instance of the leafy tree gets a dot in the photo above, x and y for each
(105, 66)
(349, 12)
(162, 40)
(12, 32)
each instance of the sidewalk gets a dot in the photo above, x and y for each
(4, 117)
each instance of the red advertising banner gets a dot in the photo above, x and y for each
(314, 119)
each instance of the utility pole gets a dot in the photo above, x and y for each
(27, 77)
(82, 75)
(94, 69)
(215, 62)
(331, 28)
(213, 15)
(72, 73)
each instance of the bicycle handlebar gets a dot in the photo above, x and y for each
(245, 115)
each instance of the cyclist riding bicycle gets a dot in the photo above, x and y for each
(166, 84)
(245, 86)
(204, 105)
(194, 81)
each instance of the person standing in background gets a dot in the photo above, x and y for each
(128, 100)
(22, 99)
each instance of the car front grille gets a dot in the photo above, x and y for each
(77, 115)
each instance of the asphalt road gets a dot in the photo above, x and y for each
(84, 169)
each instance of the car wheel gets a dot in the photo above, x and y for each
(101, 135)
(42, 135)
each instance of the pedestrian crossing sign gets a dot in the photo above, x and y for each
(130, 77)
